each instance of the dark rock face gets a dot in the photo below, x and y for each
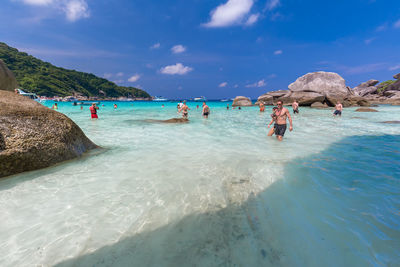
(395, 86)
(7, 79)
(36, 137)
(242, 101)
(266, 99)
(366, 110)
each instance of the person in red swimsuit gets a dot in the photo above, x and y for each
(93, 111)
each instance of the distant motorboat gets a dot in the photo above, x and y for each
(159, 98)
(224, 100)
(202, 98)
(87, 103)
(30, 95)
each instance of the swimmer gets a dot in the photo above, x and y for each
(185, 110)
(295, 107)
(240, 108)
(81, 107)
(115, 106)
(338, 109)
(93, 111)
(227, 107)
(262, 107)
(206, 110)
(273, 119)
(55, 106)
(162, 105)
(197, 107)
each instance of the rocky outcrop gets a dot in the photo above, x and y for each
(7, 79)
(366, 88)
(34, 137)
(307, 98)
(397, 76)
(324, 83)
(242, 101)
(366, 110)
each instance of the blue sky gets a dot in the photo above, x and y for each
(224, 48)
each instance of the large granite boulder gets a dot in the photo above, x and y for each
(242, 101)
(33, 136)
(397, 76)
(307, 98)
(7, 79)
(319, 105)
(366, 88)
(324, 83)
(266, 99)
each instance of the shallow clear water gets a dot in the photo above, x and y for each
(212, 192)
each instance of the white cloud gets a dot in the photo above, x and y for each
(271, 76)
(120, 74)
(224, 84)
(381, 28)
(76, 9)
(107, 75)
(228, 14)
(134, 78)
(260, 83)
(118, 81)
(236, 86)
(394, 67)
(38, 2)
(73, 9)
(397, 24)
(278, 52)
(155, 46)
(178, 68)
(272, 4)
(368, 41)
(252, 19)
(176, 49)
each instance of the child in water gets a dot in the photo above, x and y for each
(274, 117)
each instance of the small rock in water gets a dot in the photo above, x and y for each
(366, 110)
(391, 122)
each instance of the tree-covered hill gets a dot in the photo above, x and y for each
(42, 78)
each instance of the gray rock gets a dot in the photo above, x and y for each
(366, 88)
(35, 136)
(7, 79)
(397, 76)
(366, 110)
(325, 83)
(242, 101)
(278, 93)
(266, 99)
(307, 98)
(319, 105)
(394, 87)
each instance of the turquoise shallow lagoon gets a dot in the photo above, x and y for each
(212, 192)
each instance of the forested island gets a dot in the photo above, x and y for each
(45, 79)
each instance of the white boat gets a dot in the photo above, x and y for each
(224, 100)
(30, 95)
(199, 98)
(159, 98)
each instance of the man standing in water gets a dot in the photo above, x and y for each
(280, 126)
(206, 110)
(338, 109)
(185, 110)
(262, 107)
(93, 111)
(295, 107)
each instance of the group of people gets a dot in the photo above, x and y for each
(279, 115)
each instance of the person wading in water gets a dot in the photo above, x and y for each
(280, 126)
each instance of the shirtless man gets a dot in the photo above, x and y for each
(185, 110)
(295, 107)
(338, 109)
(206, 110)
(280, 126)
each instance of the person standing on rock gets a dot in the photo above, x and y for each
(206, 110)
(93, 111)
(338, 109)
(295, 107)
(280, 126)
(185, 110)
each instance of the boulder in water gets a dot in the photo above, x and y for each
(242, 101)
(307, 98)
(319, 105)
(34, 136)
(366, 110)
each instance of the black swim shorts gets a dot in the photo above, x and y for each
(280, 129)
(296, 110)
(337, 112)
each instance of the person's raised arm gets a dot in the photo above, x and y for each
(269, 124)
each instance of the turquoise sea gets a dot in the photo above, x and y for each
(212, 192)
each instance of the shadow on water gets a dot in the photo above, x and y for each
(339, 207)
